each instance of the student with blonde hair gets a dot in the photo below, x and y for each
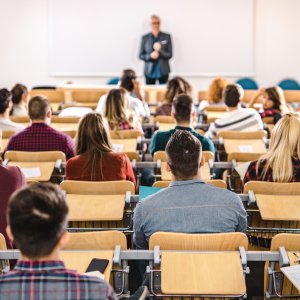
(282, 162)
(118, 114)
(215, 93)
(95, 160)
(175, 87)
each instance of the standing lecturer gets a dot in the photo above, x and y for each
(156, 51)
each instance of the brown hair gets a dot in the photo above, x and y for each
(184, 153)
(116, 110)
(17, 93)
(37, 215)
(93, 141)
(182, 108)
(38, 108)
(176, 86)
(275, 94)
(215, 90)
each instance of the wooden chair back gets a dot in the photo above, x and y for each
(53, 95)
(45, 156)
(58, 119)
(215, 182)
(20, 119)
(272, 188)
(202, 242)
(96, 240)
(202, 95)
(243, 156)
(88, 95)
(164, 119)
(216, 108)
(237, 135)
(2, 242)
(125, 134)
(163, 156)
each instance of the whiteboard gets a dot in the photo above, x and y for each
(102, 37)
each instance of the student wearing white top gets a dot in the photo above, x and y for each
(237, 118)
(132, 87)
(5, 107)
(20, 98)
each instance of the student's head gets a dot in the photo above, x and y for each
(215, 90)
(92, 140)
(155, 23)
(19, 94)
(184, 153)
(39, 109)
(183, 108)
(284, 144)
(116, 107)
(176, 86)
(37, 218)
(274, 98)
(127, 77)
(232, 95)
(5, 101)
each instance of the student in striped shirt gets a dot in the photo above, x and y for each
(237, 118)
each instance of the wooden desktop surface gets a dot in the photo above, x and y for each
(241, 145)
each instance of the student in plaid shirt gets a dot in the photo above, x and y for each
(40, 136)
(282, 162)
(37, 217)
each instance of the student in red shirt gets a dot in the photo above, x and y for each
(95, 160)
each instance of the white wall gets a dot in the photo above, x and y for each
(24, 43)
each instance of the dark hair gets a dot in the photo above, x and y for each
(37, 215)
(17, 93)
(93, 141)
(182, 108)
(176, 86)
(5, 98)
(183, 153)
(38, 108)
(232, 95)
(126, 80)
(275, 97)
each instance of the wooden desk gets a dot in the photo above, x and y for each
(241, 145)
(95, 207)
(80, 260)
(166, 126)
(65, 126)
(129, 145)
(46, 169)
(3, 144)
(205, 172)
(202, 273)
(279, 207)
(214, 115)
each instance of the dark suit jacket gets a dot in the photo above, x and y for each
(164, 56)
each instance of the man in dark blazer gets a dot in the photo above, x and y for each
(156, 51)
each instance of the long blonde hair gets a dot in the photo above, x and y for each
(116, 109)
(284, 145)
(93, 140)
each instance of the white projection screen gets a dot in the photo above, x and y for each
(102, 37)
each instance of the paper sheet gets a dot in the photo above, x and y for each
(242, 168)
(293, 274)
(246, 148)
(95, 274)
(31, 172)
(118, 148)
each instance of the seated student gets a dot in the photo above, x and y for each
(133, 94)
(184, 113)
(215, 93)
(237, 118)
(20, 97)
(117, 113)
(274, 104)
(95, 160)
(5, 107)
(188, 205)
(37, 217)
(175, 86)
(11, 179)
(40, 136)
(282, 161)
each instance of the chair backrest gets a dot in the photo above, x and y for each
(53, 95)
(20, 119)
(97, 240)
(202, 242)
(45, 156)
(236, 135)
(217, 108)
(133, 156)
(88, 95)
(289, 84)
(163, 156)
(216, 182)
(2, 242)
(272, 188)
(165, 119)
(97, 187)
(247, 83)
(125, 134)
(202, 95)
(57, 119)
(243, 156)
(292, 96)
(288, 240)
(7, 134)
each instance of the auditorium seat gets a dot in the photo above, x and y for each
(215, 182)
